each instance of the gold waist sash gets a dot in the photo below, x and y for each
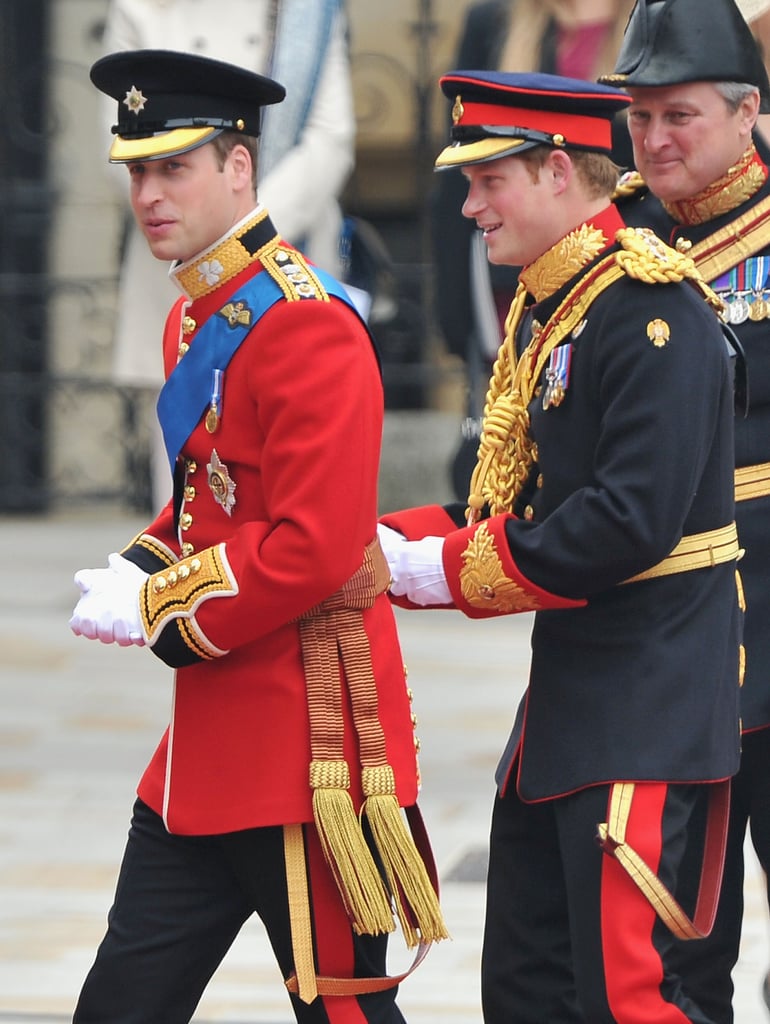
(696, 551)
(752, 481)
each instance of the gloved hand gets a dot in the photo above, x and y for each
(108, 609)
(416, 567)
(391, 542)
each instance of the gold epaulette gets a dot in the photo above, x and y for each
(294, 275)
(645, 257)
(628, 185)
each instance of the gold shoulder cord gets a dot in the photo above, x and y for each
(648, 259)
(628, 185)
(506, 451)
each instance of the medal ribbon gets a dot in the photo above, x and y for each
(756, 269)
(559, 368)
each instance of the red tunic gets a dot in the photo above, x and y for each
(299, 440)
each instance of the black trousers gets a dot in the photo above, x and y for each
(569, 938)
(179, 904)
(706, 967)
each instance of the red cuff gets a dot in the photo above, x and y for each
(414, 524)
(485, 580)
(423, 521)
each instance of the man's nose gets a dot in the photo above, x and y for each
(656, 134)
(147, 190)
(472, 204)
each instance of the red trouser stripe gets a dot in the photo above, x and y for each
(626, 914)
(333, 935)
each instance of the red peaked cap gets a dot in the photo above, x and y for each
(497, 114)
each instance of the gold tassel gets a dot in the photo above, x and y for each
(351, 862)
(416, 900)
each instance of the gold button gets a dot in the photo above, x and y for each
(189, 492)
(172, 578)
(539, 479)
(195, 565)
(188, 325)
(183, 572)
(159, 584)
(185, 521)
(414, 720)
(417, 744)
(683, 245)
(187, 549)
(409, 694)
(529, 513)
(192, 466)
(183, 349)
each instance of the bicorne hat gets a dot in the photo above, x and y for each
(669, 42)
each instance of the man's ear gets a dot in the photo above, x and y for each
(558, 166)
(240, 164)
(749, 111)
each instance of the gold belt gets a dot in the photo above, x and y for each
(697, 551)
(752, 481)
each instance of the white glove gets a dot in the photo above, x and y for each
(108, 609)
(391, 542)
(417, 569)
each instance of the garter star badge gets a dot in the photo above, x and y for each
(134, 100)
(220, 482)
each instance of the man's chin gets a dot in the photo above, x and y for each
(162, 252)
(663, 185)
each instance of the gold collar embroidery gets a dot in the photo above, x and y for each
(221, 262)
(740, 183)
(561, 262)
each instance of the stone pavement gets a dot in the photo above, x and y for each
(79, 720)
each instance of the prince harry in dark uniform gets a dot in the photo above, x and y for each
(602, 500)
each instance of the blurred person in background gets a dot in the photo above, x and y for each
(575, 38)
(306, 153)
